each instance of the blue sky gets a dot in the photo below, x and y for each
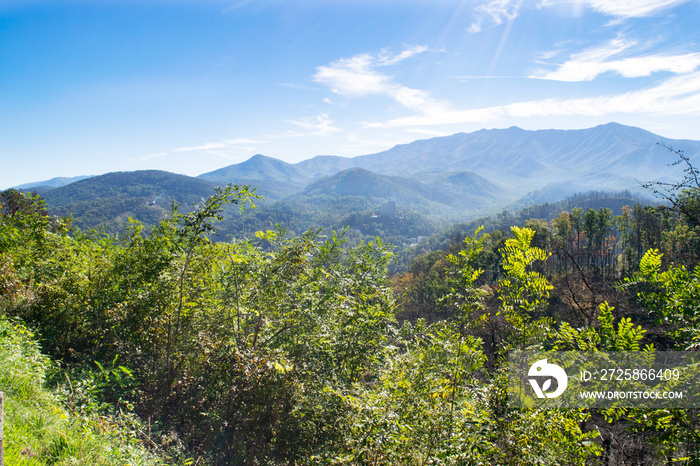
(189, 86)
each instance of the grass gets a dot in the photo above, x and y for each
(40, 430)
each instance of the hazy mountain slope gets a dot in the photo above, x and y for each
(468, 185)
(558, 190)
(326, 165)
(351, 197)
(52, 183)
(500, 152)
(444, 194)
(519, 161)
(360, 182)
(111, 198)
(259, 167)
(518, 155)
(527, 160)
(273, 178)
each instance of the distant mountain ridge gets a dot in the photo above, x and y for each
(47, 185)
(519, 160)
(518, 155)
(453, 177)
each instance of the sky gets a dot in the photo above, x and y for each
(190, 86)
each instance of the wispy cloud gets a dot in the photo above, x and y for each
(587, 65)
(244, 141)
(675, 96)
(632, 8)
(230, 154)
(353, 76)
(358, 76)
(318, 125)
(386, 59)
(219, 148)
(494, 13)
(207, 146)
(679, 95)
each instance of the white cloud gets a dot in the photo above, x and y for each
(623, 9)
(494, 13)
(632, 8)
(679, 95)
(318, 125)
(589, 64)
(211, 147)
(353, 76)
(385, 58)
(207, 146)
(357, 77)
(675, 96)
(152, 156)
(241, 144)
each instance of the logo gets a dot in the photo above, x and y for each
(542, 369)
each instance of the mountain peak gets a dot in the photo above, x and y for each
(260, 157)
(261, 169)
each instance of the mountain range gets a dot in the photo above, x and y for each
(454, 177)
(559, 162)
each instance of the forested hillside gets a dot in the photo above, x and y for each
(450, 237)
(303, 349)
(108, 201)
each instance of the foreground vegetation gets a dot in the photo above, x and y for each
(41, 428)
(164, 346)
